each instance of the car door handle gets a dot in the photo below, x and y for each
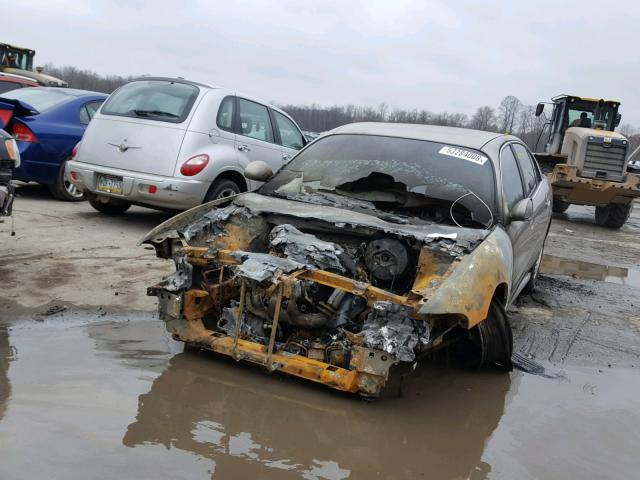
(286, 157)
(244, 148)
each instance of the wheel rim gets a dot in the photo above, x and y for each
(72, 190)
(226, 192)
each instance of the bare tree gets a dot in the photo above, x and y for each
(383, 108)
(507, 113)
(86, 79)
(484, 119)
(627, 130)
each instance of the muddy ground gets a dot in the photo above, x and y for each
(92, 387)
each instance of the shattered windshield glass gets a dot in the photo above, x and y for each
(405, 177)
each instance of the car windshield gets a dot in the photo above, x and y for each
(410, 178)
(163, 101)
(39, 98)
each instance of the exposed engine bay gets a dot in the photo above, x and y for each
(333, 296)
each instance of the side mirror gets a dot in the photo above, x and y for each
(618, 119)
(539, 109)
(523, 210)
(259, 171)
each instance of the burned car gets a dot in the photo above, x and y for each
(376, 244)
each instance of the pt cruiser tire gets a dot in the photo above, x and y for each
(109, 206)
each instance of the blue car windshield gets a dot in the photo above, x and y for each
(40, 99)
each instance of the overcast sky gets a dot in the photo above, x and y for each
(441, 56)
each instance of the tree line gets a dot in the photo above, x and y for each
(510, 116)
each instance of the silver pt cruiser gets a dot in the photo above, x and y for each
(172, 143)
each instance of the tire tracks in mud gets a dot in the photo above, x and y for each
(574, 337)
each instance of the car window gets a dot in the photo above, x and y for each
(92, 108)
(84, 115)
(6, 86)
(88, 111)
(290, 136)
(255, 121)
(528, 169)
(511, 180)
(159, 100)
(225, 114)
(42, 99)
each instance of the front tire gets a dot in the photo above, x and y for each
(613, 215)
(221, 188)
(109, 206)
(63, 189)
(491, 340)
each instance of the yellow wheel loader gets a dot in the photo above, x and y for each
(586, 160)
(19, 61)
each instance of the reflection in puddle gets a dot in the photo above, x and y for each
(589, 271)
(257, 426)
(6, 355)
(115, 396)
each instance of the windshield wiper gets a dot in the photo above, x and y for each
(155, 113)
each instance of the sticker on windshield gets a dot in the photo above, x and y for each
(464, 155)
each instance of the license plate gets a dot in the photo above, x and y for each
(109, 184)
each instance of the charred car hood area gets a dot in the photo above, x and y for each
(331, 294)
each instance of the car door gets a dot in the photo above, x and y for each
(520, 232)
(539, 194)
(289, 135)
(255, 139)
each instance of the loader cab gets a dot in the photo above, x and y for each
(571, 111)
(16, 57)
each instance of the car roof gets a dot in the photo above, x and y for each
(74, 92)
(174, 79)
(464, 137)
(213, 87)
(8, 77)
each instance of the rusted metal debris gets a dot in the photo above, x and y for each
(305, 291)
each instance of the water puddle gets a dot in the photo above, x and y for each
(590, 271)
(116, 395)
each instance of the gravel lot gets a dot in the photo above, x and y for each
(91, 387)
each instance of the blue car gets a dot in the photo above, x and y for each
(47, 124)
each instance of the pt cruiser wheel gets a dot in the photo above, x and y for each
(222, 189)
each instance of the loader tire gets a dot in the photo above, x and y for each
(613, 215)
(559, 206)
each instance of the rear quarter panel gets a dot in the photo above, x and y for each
(203, 136)
(57, 131)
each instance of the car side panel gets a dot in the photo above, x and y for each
(469, 289)
(527, 237)
(57, 132)
(219, 147)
